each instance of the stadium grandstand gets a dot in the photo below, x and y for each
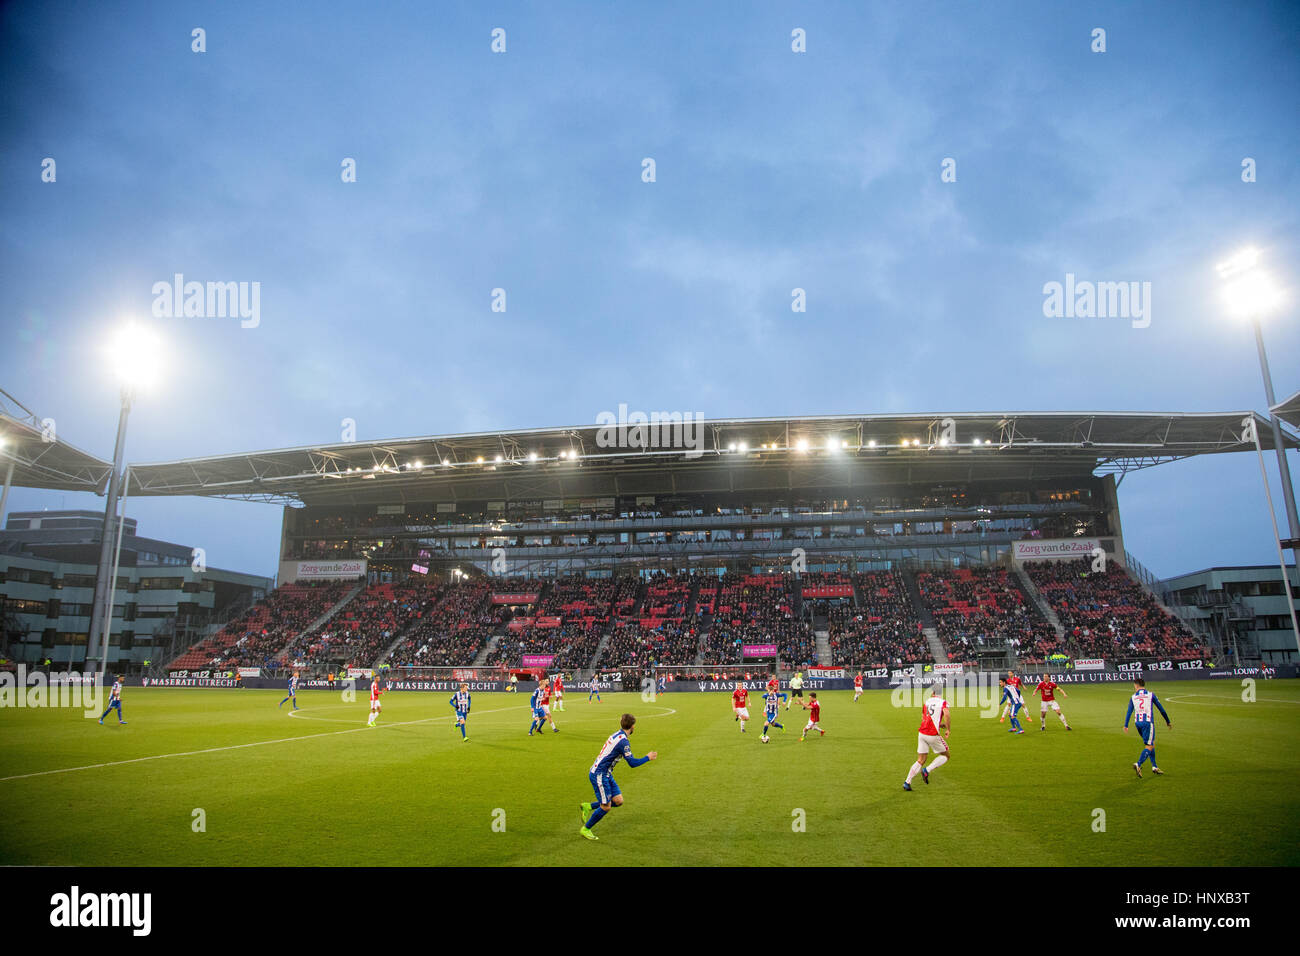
(853, 542)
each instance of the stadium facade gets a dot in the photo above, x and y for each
(845, 541)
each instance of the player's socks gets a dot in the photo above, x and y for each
(911, 774)
(462, 732)
(596, 816)
(939, 761)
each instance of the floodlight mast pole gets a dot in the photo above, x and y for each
(1288, 493)
(102, 609)
(1284, 472)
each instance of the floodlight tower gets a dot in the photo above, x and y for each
(133, 359)
(1249, 292)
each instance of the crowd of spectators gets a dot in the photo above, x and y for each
(975, 608)
(252, 639)
(758, 609)
(635, 645)
(1107, 614)
(451, 630)
(881, 630)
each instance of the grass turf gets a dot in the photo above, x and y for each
(319, 788)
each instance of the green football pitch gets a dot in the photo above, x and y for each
(223, 777)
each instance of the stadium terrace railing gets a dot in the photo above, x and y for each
(791, 519)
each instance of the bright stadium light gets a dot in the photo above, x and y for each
(831, 446)
(871, 443)
(744, 447)
(135, 356)
(731, 447)
(532, 456)
(801, 444)
(500, 459)
(479, 459)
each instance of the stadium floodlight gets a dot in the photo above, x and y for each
(532, 456)
(1250, 293)
(871, 443)
(479, 459)
(743, 447)
(831, 446)
(135, 356)
(731, 447)
(500, 459)
(801, 444)
(134, 359)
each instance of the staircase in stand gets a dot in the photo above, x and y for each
(321, 621)
(824, 656)
(480, 659)
(600, 649)
(918, 604)
(937, 650)
(1040, 602)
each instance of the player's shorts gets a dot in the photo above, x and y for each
(604, 785)
(539, 714)
(1147, 731)
(461, 715)
(925, 743)
(544, 711)
(374, 705)
(769, 716)
(796, 692)
(742, 712)
(1043, 705)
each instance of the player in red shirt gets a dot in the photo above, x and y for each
(740, 704)
(375, 706)
(814, 708)
(857, 687)
(1048, 690)
(544, 702)
(558, 684)
(935, 718)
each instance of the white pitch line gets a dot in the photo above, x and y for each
(257, 743)
(278, 740)
(1182, 699)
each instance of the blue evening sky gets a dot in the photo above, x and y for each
(522, 170)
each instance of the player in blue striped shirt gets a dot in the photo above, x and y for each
(460, 701)
(293, 691)
(1144, 704)
(770, 708)
(601, 775)
(114, 701)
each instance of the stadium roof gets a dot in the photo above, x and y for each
(1289, 410)
(42, 460)
(718, 455)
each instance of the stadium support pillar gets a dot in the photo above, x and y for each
(1284, 473)
(1284, 469)
(101, 612)
(4, 495)
(1277, 539)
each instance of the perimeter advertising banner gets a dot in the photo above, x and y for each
(1054, 549)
